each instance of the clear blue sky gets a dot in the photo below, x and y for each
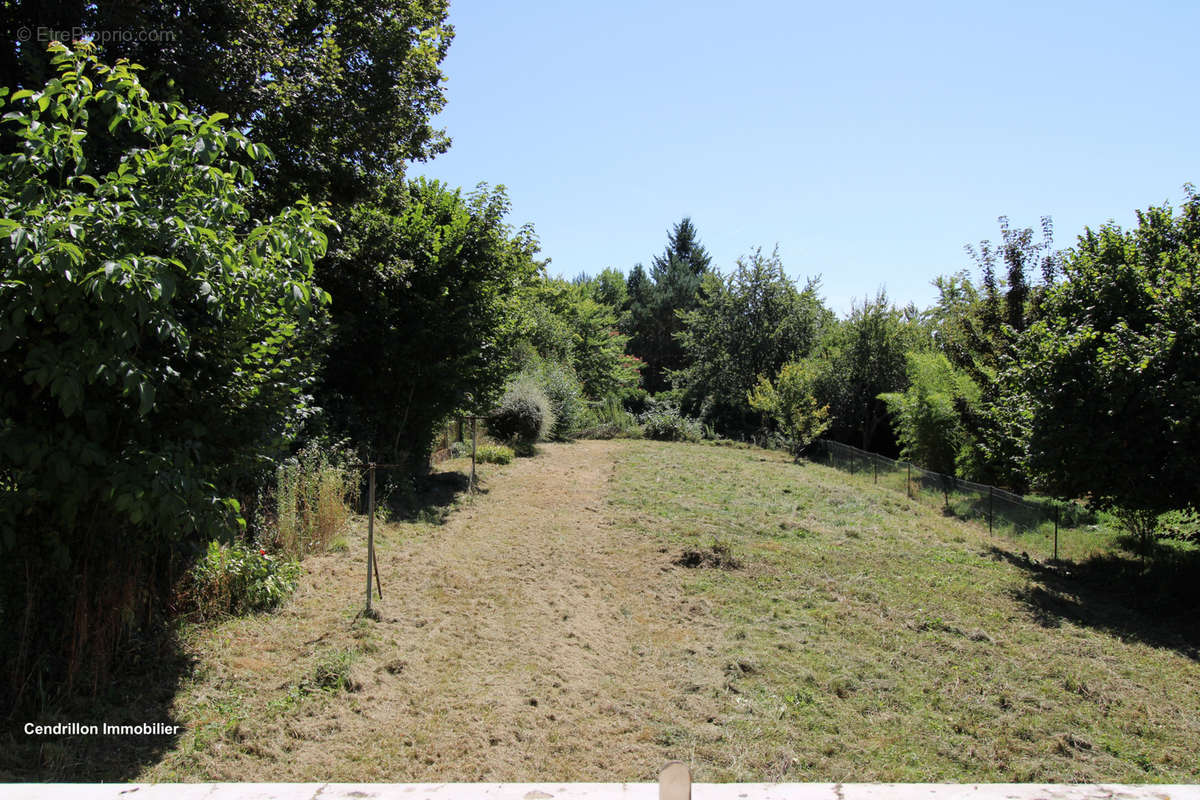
(871, 141)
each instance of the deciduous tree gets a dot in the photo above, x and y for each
(1107, 384)
(746, 325)
(149, 356)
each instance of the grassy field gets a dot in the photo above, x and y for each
(607, 606)
(872, 638)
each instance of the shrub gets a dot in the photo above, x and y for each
(789, 403)
(493, 454)
(565, 393)
(665, 422)
(610, 420)
(524, 415)
(235, 579)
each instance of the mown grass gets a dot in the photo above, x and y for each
(873, 638)
(827, 630)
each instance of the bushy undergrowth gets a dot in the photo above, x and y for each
(488, 453)
(237, 578)
(524, 415)
(610, 420)
(315, 494)
(664, 422)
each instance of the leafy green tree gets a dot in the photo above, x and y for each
(747, 325)
(1107, 384)
(789, 403)
(980, 340)
(608, 288)
(861, 358)
(599, 353)
(565, 323)
(925, 414)
(150, 358)
(543, 331)
(422, 279)
(341, 92)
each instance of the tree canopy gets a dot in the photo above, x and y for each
(341, 92)
(1107, 382)
(656, 300)
(149, 357)
(422, 279)
(746, 325)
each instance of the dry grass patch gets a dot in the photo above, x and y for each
(525, 636)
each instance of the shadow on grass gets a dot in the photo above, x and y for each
(425, 498)
(1152, 601)
(140, 691)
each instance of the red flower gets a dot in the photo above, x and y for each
(262, 552)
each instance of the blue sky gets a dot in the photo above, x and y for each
(870, 141)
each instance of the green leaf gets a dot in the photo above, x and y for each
(146, 393)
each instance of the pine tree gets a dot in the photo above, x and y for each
(672, 286)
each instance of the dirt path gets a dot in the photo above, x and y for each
(530, 635)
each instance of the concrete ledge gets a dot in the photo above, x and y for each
(594, 791)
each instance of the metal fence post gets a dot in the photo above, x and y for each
(908, 483)
(875, 469)
(370, 530)
(991, 495)
(1056, 531)
(471, 483)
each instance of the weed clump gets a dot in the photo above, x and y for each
(315, 492)
(236, 579)
(331, 673)
(718, 555)
(667, 424)
(494, 454)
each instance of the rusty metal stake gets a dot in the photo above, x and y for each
(370, 532)
(474, 427)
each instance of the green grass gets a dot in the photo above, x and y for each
(874, 638)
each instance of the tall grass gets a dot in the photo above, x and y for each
(608, 419)
(315, 493)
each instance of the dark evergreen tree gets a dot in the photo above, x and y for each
(673, 287)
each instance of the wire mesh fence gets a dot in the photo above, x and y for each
(1035, 523)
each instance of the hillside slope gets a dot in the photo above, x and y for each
(607, 606)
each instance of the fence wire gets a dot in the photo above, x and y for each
(1034, 522)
